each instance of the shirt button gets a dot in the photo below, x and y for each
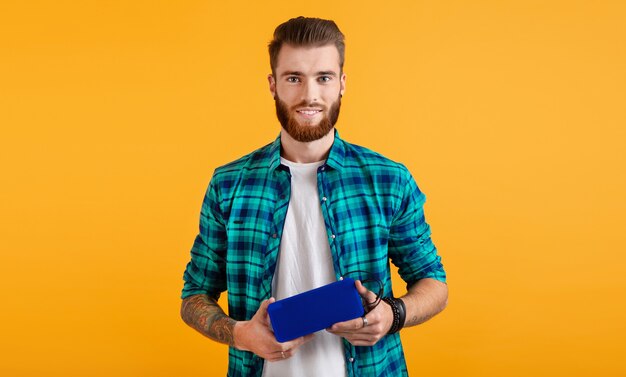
(351, 359)
(332, 236)
(323, 168)
(324, 198)
(274, 235)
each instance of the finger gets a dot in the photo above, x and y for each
(351, 325)
(274, 357)
(280, 355)
(307, 338)
(263, 307)
(351, 334)
(267, 315)
(368, 295)
(288, 349)
(262, 311)
(360, 339)
(363, 331)
(295, 343)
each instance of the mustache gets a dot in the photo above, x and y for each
(304, 104)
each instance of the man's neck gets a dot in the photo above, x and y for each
(300, 152)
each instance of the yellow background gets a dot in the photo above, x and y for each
(510, 114)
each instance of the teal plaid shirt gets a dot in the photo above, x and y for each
(373, 211)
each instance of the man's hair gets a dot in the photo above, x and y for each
(306, 32)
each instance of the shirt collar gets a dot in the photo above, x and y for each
(274, 154)
(335, 156)
(337, 153)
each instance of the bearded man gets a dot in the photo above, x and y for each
(303, 212)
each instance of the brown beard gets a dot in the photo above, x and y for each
(307, 133)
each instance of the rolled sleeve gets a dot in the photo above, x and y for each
(410, 246)
(206, 271)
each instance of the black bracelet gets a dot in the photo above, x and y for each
(402, 312)
(399, 313)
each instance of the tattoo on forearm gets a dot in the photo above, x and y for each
(429, 297)
(206, 316)
(417, 320)
(412, 321)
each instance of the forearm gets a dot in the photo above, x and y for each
(424, 300)
(204, 314)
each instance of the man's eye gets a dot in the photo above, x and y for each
(292, 79)
(324, 78)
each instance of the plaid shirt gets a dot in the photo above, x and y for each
(373, 211)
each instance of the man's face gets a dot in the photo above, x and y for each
(307, 88)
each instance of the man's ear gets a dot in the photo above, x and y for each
(272, 82)
(343, 84)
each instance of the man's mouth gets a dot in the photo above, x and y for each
(309, 112)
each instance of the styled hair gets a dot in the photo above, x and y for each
(306, 32)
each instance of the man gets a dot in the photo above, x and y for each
(302, 212)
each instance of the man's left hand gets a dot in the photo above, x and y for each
(366, 332)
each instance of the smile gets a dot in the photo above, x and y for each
(308, 112)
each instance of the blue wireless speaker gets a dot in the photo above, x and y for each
(315, 310)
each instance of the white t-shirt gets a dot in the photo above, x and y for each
(304, 263)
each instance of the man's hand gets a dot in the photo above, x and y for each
(379, 321)
(256, 336)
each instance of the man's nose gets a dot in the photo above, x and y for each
(310, 92)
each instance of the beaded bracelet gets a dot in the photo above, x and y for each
(399, 313)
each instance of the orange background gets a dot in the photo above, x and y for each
(510, 114)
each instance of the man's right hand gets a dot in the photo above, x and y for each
(256, 336)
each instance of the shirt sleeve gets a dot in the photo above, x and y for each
(206, 271)
(410, 246)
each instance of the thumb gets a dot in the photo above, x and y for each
(261, 313)
(368, 295)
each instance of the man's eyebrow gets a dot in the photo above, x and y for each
(292, 73)
(298, 73)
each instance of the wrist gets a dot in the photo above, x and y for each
(398, 310)
(238, 339)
